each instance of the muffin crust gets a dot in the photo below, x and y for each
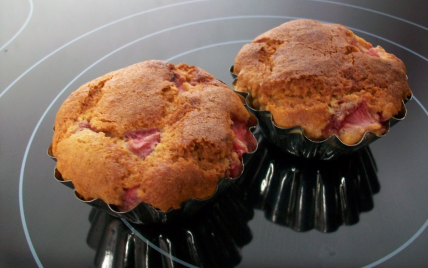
(323, 78)
(151, 132)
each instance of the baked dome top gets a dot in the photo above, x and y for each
(323, 78)
(151, 132)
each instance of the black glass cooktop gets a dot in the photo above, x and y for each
(368, 209)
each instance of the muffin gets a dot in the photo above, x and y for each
(151, 133)
(322, 78)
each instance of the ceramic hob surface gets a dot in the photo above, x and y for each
(373, 212)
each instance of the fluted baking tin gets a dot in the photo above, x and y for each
(294, 141)
(213, 237)
(145, 213)
(305, 194)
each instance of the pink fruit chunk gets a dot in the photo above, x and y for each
(373, 52)
(130, 199)
(236, 167)
(365, 48)
(142, 142)
(86, 125)
(178, 81)
(354, 124)
(244, 142)
(361, 117)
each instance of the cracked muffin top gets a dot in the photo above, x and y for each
(323, 78)
(153, 133)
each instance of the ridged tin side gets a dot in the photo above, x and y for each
(213, 237)
(305, 194)
(294, 141)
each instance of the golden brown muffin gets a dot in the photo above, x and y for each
(323, 78)
(151, 132)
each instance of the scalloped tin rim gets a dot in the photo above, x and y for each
(298, 129)
(156, 214)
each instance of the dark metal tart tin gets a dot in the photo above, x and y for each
(304, 194)
(213, 237)
(147, 214)
(294, 141)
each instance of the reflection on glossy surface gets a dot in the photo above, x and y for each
(305, 194)
(211, 238)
